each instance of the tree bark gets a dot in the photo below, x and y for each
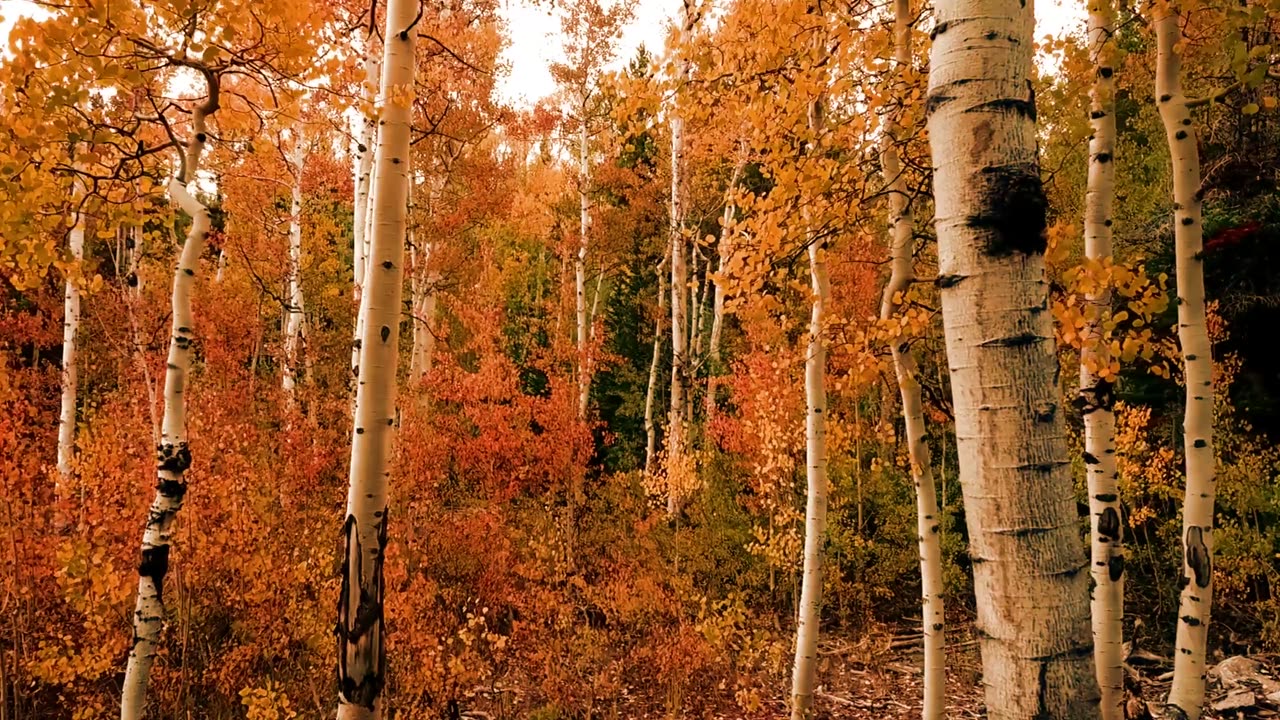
(364, 192)
(1096, 398)
(650, 427)
(679, 282)
(723, 250)
(1029, 570)
(294, 318)
(902, 230)
(580, 273)
(815, 530)
(173, 456)
(70, 386)
(424, 296)
(360, 632)
(1186, 696)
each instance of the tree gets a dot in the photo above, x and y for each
(1096, 396)
(70, 327)
(1186, 696)
(361, 625)
(1032, 591)
(295, 318)
(906, 370)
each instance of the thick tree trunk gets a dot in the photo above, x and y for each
(360, 631)
(293, 323)
(902, 229)
(173, 457)
(580, 274)
(1096, 398)
(70, 328)
(1029, 570)
(1187, 694)
(815, 528)
(650, 426)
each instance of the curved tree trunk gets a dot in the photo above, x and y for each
(1029, 570)
(902, 228)
(1186, 697)
(1096, 398)
(70, 327)
(173, 457)
(360, 631)
(815, 525)
(293, 324)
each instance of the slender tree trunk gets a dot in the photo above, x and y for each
(815, 529)
(1096, 398)
(650, 427)
(360, 631)
(364, 192)
(1186, 697)
(1029, 570)
(723, 250)
(173, 456)
(580, 273)
(902, 229)
(293, 323)
(679, 284)
(70, 327)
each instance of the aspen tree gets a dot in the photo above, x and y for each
(293, 325)
(1029, 568)
(173, 456)
(580, 267)
(361, 648)
(650, 426)
(1096, 398)
(902, 234)
(1186, 696)
(365, 153)
(815, 431)
(679, 274)
(70, 382)
(423, 292)
(723, 249)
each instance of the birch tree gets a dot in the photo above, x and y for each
(365, 154)
(361, 649)
(1186, 696)
(906, 370)
(1032, 591)
(1096, 397)
(70, 384)
(295, 319)
(173, 456)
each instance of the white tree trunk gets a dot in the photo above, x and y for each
(650, 427)
(70, 327)
(1187, 693)
(173, 457)
(815, 527)
(580, 274)
(679, 281)
(363, 192)
(723, 250)
(1029, 569)
(360, 631)
(293, 323)
(902, 229)
(1096, 398)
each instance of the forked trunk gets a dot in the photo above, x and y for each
(1186, 696)
(360, 630)
(1029, 569)
(1096, 398)
(173, 457)
(902, 231)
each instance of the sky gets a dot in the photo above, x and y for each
(534, 43)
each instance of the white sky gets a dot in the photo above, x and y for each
(535, 45)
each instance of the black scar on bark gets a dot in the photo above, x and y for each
(1190, 620)
(172, 489)
(1090, 458)
(360, 630)
(386, 333)
(1198, 556)
(1109, 524)
(154, 565)
(1012, 210)
(173, 457)
(1115, 568)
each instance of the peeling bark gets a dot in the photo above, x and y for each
(1029, 569)
(1186, 696)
